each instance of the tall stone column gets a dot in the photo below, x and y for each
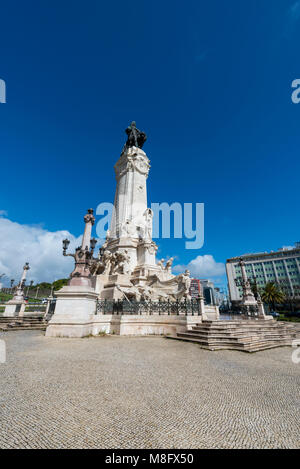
(89, 220)
(16, 306)
(76, 302)
(130, 232)
(83, 255)
(130, 203)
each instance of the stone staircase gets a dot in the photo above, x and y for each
(35, 322)
(248, 335)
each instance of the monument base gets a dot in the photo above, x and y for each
(112, 285)
(74, 311)
(125, 324)
(14, 308)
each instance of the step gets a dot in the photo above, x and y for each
(239, 347)
(243, 335)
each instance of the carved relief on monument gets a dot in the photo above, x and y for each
(123, 167)
(110, 263)
(140, 163)
(177, 288)
(128, 229)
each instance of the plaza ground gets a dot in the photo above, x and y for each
(121, 392)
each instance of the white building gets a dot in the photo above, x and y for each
(282, 267)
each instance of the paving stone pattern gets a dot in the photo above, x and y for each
(121, 392)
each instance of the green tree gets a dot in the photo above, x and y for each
(272, 295)
(42, 285)
(58, 284)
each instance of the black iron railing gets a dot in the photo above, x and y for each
(250, 311)
(185, 307)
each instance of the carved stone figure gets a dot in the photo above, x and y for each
(126, 262)
(184, 283)
(120, 262)
(148, 215)
(107, 237)
(128, 229)
(107, 261)
(161, 264)
(136, 138)
(130, 293)
(169, 263)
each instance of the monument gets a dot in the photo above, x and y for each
(127, 262)
(126, 268)
(250, 305)
(16, 306)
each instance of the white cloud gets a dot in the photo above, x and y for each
(33, 244)
(203, 267)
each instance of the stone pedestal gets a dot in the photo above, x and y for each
(14, 308)
(74, 312)
(113, 286)
(143, 324)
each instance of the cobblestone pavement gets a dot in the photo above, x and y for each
(120, 392)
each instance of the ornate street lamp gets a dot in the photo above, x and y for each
(93, 244)
(83, 254)
(66, 243)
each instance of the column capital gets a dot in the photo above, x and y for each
(89, 217)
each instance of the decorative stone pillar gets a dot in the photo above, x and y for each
(248, 301)
(83, 255)
(76, 302)
(130, 203)
(16, 306)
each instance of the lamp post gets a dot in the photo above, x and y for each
(83, 254)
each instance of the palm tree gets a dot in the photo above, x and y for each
(272, 295)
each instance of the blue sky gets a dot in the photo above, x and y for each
(210, 83)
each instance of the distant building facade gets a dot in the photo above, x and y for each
(210, 293)
(282, 267)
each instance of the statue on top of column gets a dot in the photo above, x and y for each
(136, 138)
